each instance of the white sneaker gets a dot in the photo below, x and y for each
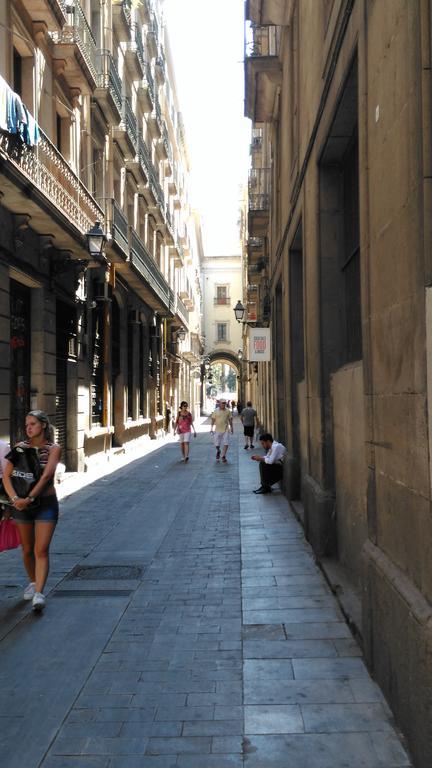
(38, 601)
(29, 591)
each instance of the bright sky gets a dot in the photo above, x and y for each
(207, 46)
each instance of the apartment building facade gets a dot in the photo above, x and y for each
(222, 288)
(91, 131)
(339, 217)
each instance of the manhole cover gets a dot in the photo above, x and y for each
(105, 572)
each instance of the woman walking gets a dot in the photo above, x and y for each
(183, 426)
(36, 522)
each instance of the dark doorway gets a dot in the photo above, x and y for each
(279, 358)
(20, 354)
(66, 343)
(297, 335)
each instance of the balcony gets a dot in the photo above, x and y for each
(41, 182)
(163, 148)
(182, 312)
(256, 140)
(255, 248)
(146, 91)
(117, 225)
(134, 54)
(144, 8)
(50, 12)
(152, 36)
(126, 134)
(176, 253)
(74, 51)
(266, 11)
(146, 165)
(160, 69)
(108, 93)
(155, 121)
(173, 181)
(263, 71)
(259, 201)
(121, 20)
(155, 289)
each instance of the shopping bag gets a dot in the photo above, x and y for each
(9, 536)
(26, 472)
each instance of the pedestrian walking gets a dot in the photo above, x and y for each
(221, 426)
(36, 515)
(239, 407)
(4, 450)
(249, 419)
(183, 426)
(271, 466)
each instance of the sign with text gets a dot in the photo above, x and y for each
(259, 344)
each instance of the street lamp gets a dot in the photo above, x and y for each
(181, 334)
(96, 240)
(239, 311)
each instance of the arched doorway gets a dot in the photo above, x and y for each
(222, 379)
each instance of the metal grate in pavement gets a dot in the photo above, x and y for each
(105, 572)
(92, 593)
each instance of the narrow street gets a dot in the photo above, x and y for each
(186, 625)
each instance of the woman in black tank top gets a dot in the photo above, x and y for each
(36, 515)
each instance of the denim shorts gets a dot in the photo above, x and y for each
(47, 512)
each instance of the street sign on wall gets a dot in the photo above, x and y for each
(259, 344)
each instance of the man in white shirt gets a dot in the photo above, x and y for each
(271, 467)
(221, 419)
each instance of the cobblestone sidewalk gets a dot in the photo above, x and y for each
(198, 633)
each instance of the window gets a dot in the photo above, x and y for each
(130, 367)
(222, 296)
(17, 72)
(351, 255)
(221, 332)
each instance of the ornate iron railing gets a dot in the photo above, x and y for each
(147, 267)
(259, 189)
(45, 168)
(263, 41)
(139, 44)
(181, 311)
(150, 82)
(109, 78)
(78, 32)
(129, 120)
(144, 157)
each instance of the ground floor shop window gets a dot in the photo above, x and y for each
(97, 367)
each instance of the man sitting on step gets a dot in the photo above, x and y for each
(271, 465)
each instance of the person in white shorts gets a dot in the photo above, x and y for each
(221, 426)
(183, 426)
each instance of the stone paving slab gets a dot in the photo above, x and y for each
(228, 652)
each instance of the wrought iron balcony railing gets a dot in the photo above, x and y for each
(148, 269)
(153, 35)
(182, 312)
(259, 189)
(46, 169)
(109, 78)
(150, 82)
(129, 120)
(262, 41)
(77, 32)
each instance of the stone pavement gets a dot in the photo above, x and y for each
(187, 626)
